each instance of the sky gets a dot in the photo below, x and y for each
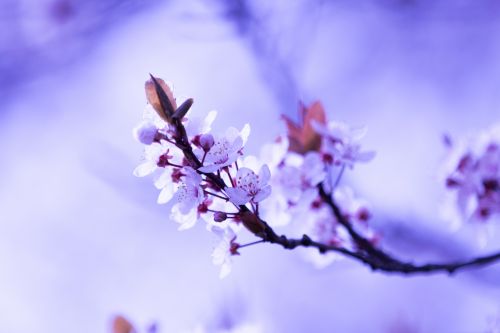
(83, 239)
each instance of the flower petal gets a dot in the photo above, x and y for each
(237, 195)
(166, 194)
(145, 169)
(263, 194)
(264, 175)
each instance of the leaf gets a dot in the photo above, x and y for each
(161, 98)
(122, 325)
(183, 109)
(302, 137)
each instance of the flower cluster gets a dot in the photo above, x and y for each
(205, 177)
(472, 177)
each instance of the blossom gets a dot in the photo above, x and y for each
(227, 247)
(250, 186)
(341, 143)
(321, 226)
(153, 154)
(197, 126)
(299, 175)
(186, 200)
(472, 177)
(166, 186)
(225, 150)
(353, 208)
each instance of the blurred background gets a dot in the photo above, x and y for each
(82, 239)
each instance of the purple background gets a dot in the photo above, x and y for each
(81, 239)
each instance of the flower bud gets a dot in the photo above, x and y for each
(145, 133)
(206, 141)
(220, 216)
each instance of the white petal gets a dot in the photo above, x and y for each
(164, 179)
(244, 172)
(263, 194)
(237, 195)
(185, 221)
(145, 169)
(236, 146)
(245, 133)
(165, 195)
(225, 269)
(264, 175)
(357, 133)
(207, 124)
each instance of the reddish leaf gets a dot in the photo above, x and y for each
(166, 109)
(302, 137)
(122, 325)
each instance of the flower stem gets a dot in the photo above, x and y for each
(252, 243)
(337, 181)
(216, 195)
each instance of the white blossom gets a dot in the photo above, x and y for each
(225, 150)
(472, 177)
(166, 186)
(223, 252)
(353, 208)
(341, 142)
(197, 126)
(250, 186)
(299, 175)
(152, 154)
(188, 196)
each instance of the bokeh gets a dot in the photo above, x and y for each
(82, 239)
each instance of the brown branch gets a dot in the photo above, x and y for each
(365, 251)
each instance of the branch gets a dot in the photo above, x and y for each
(365, 251)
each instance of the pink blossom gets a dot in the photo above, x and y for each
(187, 198)
(250, 186)
(225, 150)
(341, 142)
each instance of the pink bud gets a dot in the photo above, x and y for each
(220, 216)
(206, 141)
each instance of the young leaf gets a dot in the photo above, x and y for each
(302, 137)
(183, 109)
(161, 98)
(122, 325)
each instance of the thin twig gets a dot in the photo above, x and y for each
(365, 251)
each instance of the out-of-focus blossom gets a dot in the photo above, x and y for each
(354, 209)
(250, 186)
(472, 177)
(341, 143)
(297, 177)
(322, 227)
